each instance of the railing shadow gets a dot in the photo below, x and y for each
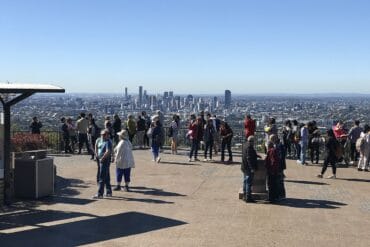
(153, 191)
(304, 182)
(94, 229)
(310, 203)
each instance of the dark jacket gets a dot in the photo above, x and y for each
(249, 159)
(209, 132)
(330, 148)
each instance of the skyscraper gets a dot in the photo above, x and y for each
(140, 101)
(227, 98)
(126, 95)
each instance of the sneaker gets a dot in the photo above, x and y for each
(126, 189)
(117, 188)
(196, 159)
(366, 170)
(319, 176)
(108, 195)
(190, 160)
(97, 196)
(332, 177)
(205, 160)
(158, 159)
(359, 169)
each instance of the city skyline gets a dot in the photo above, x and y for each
(189, 47)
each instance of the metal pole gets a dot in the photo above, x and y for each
(8, 173)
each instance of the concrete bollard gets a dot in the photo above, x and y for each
(259, 190)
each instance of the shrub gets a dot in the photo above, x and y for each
(26, 142)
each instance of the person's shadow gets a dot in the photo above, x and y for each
(310, 203)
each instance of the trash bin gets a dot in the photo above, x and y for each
(34, 178)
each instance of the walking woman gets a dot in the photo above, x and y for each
(174, 132)
(124, 160)
(330, 154)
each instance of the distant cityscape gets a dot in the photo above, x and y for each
(324, 109)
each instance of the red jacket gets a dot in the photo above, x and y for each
(250, 127)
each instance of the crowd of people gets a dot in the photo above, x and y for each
(300, 141)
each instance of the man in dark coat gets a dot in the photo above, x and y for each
(249, 165)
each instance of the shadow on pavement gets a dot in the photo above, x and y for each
(310, 203)
(180, 163)
(305, 182)
(355, 180)
(87, 231)
(121, 198)
(153, 191)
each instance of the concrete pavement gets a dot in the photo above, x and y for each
(177, 203)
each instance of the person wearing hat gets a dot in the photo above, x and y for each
(124, 160)
(249, 165)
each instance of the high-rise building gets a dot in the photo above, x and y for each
(140, 101)
(126, 93)
(170, 94)
(227, 98)
(165, 95)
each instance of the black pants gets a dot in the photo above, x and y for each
(67, 144)
(332, 162)
(315, 153)
(209, 146)
(224, 144)
(273, 183)
(82, 139)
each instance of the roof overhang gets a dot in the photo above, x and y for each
(30, 88)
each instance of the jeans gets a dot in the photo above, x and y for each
(155, 150)
(209, 146)
(247, 184)
(194, 148)
(224, 144)
(104, 178)
(303, 152)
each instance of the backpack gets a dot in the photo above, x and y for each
(339, 150)
(360, 144)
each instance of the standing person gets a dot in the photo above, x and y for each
(249, 126)
(65, 134)
(209, 132)
(363, 147)
(296, 139)
(270, 129)
(353, 135)
(280, 149)
(330, 154)
(315, 146)
(272, 167)
(131, 127)
(82, 128)
(287, 137)
(148, 123)
(117, 127)
(249, 165)
(217, 125)
(35, 126)
(304, 144)
(193, 136)
(103, 150)
(226, 136)
(141, 130)
(124, 160)
(174, 132)
(72, 133)
(156, 140)
(94, 131)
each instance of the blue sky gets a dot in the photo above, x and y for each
(188, 46)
